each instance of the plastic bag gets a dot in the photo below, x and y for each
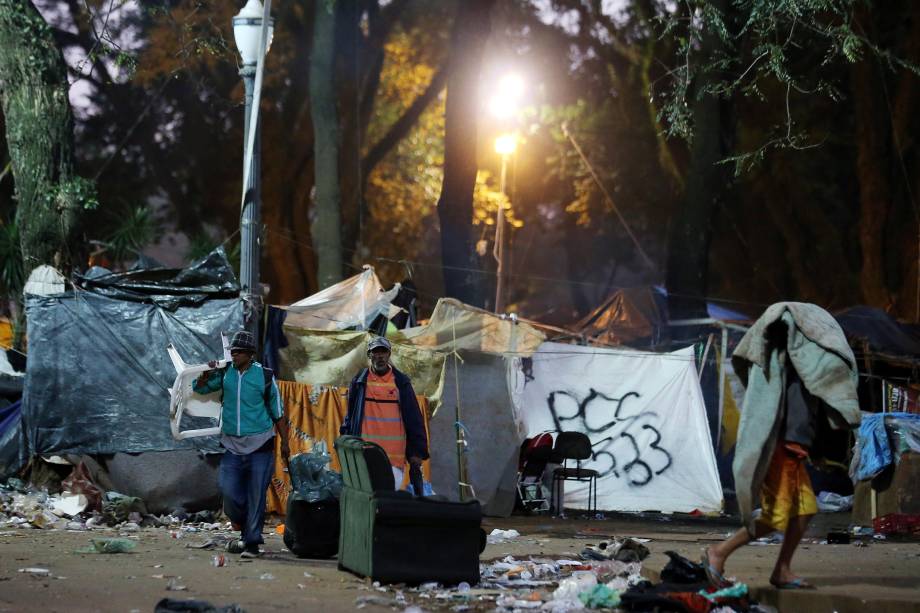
(829, 502)
(312, 480)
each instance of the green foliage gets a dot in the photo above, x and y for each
(136, 229)
(12, 275)
(76, 192)
(762, 44)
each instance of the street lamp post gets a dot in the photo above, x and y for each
(247, 25)
(505, 146)
(504, 106)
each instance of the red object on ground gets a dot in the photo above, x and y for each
(896, 523)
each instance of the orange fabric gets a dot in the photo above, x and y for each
(313, 417)
(6, 333)
(383, 422)
(786, 491)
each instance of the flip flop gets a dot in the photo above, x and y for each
(795, 584)
(714, 577)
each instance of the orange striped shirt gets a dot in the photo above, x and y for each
(383, 423)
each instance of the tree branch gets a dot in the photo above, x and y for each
(401, 126)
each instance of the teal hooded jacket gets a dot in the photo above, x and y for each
(244, 409)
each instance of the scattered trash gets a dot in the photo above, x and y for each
(681, 570)
(129, 527)
(600, 597)
(266, 577)
(380, 601)
(219, 560)
(311, 478)
(628, 550)
(830, 502)
(775, 538)
(69, 504)
(838, 538)
(463, 587)
(173, 585)
(113, 545)
(502, 536)
(36, 572)
(739, 590)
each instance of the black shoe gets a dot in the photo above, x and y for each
(235, 546)
(251, 551)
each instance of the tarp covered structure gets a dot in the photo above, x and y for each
(333, 358)
(880, 331)
(644, 414)
(98, 370)
(353, 303)
(454, 326)
(478, 397)
(638, 317)
(626, 317)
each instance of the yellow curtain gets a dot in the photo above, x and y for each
(313, 417)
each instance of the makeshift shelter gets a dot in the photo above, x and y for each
(353, 303)
(455, 360)
(98, 371)
(454, 326)
(644, 415)
(888, 358)
(475, 436)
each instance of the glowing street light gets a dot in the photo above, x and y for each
(505, 145)
(506, 99)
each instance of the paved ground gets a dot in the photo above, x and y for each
(884, 576)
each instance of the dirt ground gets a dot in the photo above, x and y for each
(883, 576)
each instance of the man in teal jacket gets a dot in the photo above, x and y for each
(251, 413)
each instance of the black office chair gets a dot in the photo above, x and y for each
(572, 446)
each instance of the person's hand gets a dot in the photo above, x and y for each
(417, 461)
(212, 364)
(285, 451)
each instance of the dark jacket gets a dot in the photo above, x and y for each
(416, 439)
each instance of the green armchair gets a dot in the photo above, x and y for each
(394, 537)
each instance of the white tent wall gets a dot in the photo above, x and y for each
(491, 432)
(643, 412)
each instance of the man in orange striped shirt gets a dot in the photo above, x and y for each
(382, 408)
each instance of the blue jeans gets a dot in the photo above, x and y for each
(243, 481)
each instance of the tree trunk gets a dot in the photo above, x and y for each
(455, 206)
(872, 167)
(327, 227)
(707, 187)
(39, 133)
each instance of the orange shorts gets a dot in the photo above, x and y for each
(786, 490)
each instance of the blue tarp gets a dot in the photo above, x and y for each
(11, 456)
(875, 453)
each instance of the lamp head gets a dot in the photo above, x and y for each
(247, 25)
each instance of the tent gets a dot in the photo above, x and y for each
(638, 317)
(644, 414)
(868, 327)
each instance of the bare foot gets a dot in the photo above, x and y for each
(787, 580)
(715, 560)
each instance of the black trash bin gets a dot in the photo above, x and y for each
(311, 529)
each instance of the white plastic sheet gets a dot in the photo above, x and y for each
(644, 414)
(353, 303)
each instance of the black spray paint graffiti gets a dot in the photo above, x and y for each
(622, 431)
